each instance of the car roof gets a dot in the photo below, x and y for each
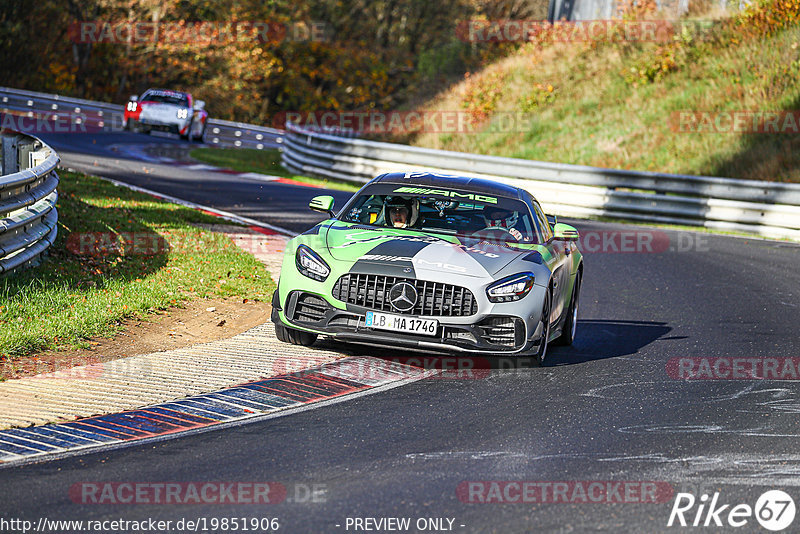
(462, 183)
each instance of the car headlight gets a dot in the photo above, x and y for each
(132, 106)
(183, 113)
(310, 264)
(510, 288)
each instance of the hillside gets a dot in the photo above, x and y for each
(669, 106)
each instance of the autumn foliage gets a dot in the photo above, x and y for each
(374, 54)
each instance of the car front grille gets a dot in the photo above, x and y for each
(434, 298)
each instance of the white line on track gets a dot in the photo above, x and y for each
(258, 176)
(221, 213)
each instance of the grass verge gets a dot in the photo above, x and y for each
(119, 254)
(262, 162)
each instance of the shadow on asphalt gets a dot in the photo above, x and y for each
(596, 340)
(600, 339)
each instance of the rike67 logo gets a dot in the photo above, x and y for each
(774, 510)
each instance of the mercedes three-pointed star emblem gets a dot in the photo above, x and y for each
(403, 296)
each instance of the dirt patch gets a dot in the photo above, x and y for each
(199, 322)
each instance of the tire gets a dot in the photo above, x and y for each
(282, 333)
(295, 337)
(571, 324)
(145, 129)
(188, 134)
(129, 125)
(202, 137)
(541, 352)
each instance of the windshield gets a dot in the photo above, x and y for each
(443, 212)
(176, 99)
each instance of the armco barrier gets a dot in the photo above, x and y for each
(768, 209)
(28, 198)
(110, 116)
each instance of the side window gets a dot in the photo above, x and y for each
(547, 232)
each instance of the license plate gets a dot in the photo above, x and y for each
(398, 323)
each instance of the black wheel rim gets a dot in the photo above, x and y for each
(545, 322)
(575, 300)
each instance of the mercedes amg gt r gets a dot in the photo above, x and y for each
(436, 263)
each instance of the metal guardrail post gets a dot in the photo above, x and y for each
(9, 156)
(24, 149)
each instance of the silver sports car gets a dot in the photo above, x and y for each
(436, 263)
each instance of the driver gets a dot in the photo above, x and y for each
(400, 212)
(496, 217)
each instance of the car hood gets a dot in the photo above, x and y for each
(159, 111)
(400, 252)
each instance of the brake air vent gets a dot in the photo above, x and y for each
(504, 331)
(309, 308)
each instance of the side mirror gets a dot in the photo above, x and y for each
(322, 203)
(552, 219)
(565, 232)
(199, 104)
(134, 98)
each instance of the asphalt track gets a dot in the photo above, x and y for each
(280, 204)
(606, 409)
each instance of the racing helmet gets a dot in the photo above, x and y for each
(411, 205)
(500, 217)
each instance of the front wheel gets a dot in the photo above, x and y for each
(202, 137)
(188, 135)
(544, 323)
(295, 337)
(571, 324)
